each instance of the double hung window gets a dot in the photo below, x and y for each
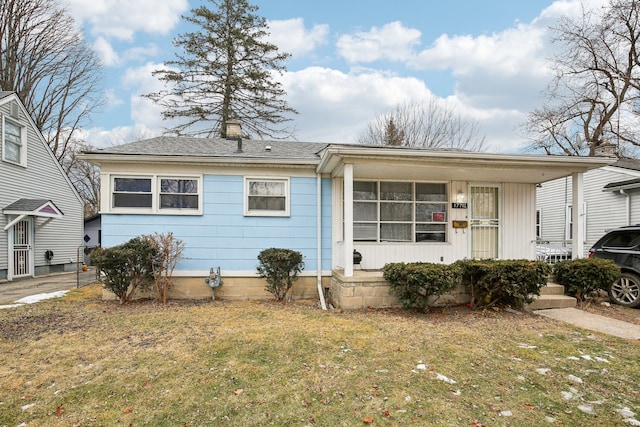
(13, 149)
(266, 197)
(157, 194)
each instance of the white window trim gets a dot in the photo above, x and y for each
(568, 222)
(23, 142)
(287, 195)
(155, 196)
(413, 222)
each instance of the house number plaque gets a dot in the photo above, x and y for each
(456, 205)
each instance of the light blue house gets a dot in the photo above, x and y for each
(230, 199)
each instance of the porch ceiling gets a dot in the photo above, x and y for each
(418, 165)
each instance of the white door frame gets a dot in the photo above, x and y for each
(26, 247)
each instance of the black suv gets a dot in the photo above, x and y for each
(622, 245)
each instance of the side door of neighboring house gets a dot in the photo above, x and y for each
(21, 249)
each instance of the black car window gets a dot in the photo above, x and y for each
(621, 239)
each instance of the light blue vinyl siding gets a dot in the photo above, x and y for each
(224, 237)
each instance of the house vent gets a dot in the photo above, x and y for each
(15, 110)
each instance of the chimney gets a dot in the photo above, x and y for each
(605, 150)
(234, 131)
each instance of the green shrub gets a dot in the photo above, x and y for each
(418, 285)
(584, 277)
(280, 267)
(124, 268)
(503, 282)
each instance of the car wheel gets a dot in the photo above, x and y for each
(626, 290)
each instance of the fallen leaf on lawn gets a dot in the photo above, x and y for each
(367, 420)
(238, 391)
(127, 409)
(60, 410)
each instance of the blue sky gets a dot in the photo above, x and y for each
(352, 60)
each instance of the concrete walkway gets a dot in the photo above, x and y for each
(593, 322)
(20, 288)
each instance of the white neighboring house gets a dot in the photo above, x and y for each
(611, 199)
(41, 219)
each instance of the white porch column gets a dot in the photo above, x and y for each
(577, 215)
(348, 220)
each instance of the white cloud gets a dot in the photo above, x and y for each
(392, 41)
(335, 106)
(292, 37)
(108, 56)
(122, 19)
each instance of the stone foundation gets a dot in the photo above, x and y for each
(369, 289)
(233, 288)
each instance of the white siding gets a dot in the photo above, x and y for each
(604, 209)
(518, 221)
(42, 179)
(517, 233)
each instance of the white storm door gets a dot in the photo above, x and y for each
(485, 221)
(21, 249)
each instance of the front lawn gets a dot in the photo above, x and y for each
(81, 361)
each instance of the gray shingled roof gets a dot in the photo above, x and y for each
(26, 205)
(4, 93)
(632, 164)
(217, 147)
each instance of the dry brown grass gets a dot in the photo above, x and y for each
(82, 361)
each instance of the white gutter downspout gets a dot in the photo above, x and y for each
(628, 205)
(319, 236)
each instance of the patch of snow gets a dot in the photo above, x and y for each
(421, 367)
(521, 377)
(632, 421)
(25, 407)
(445, 379)
(587, 409)
(527, 346)
(566, 395)
(626, 412)
(573, 358)
(457, 393)
(32, 299)
(586, 357)
(550, 420)
(543, 371)
(575, 379)
(602, 359)
(505, 414)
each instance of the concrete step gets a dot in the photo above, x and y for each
(552, 289)
(552, 296)
(552, 301)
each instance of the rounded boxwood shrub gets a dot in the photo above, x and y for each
(418, 284)
(584, 277)
(280, 267)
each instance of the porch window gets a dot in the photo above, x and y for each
(13, 147)
(266, 197)
(399, 211)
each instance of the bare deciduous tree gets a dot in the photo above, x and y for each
(425, 125)
(84, 176)
(226, 71)
(46, 61)
(596, 89)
